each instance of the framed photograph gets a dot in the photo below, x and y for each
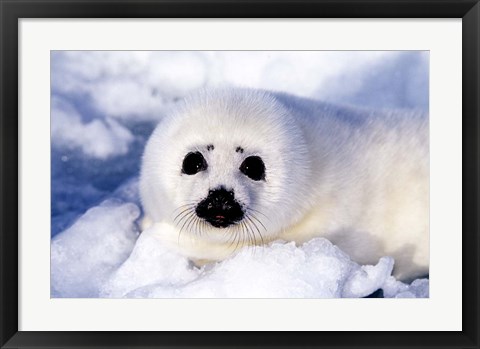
(199, 174)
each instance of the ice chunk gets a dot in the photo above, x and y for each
(368, 279)
(395, 289)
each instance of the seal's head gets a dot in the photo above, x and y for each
(227, 165)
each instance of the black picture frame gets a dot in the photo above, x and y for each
(13, 10)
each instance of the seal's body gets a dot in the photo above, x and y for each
(239, 167)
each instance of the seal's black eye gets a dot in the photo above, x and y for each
(194, 163)
(253, 167)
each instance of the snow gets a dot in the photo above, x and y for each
(97, 138)
(105, 105)
(100, 256)
(83, 256)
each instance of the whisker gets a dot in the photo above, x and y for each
(185, 219)
(182, 219)
(250, 232)
(258, 220)
(196, 226)
(181, 213)
(256, 227)
(243, 229)
(256, 211)
(204, 226)
(193, 220)
(238, 242)
(254, 243)
(182, 206)
(190, 216)
(233, 238)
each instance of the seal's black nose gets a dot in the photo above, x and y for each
(220, 208)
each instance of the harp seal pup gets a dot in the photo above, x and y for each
(234, 167)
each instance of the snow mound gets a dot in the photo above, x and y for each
(85, 255)
(126, 85)
(97, 138)
(90, 260)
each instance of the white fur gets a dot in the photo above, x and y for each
(356, 177)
